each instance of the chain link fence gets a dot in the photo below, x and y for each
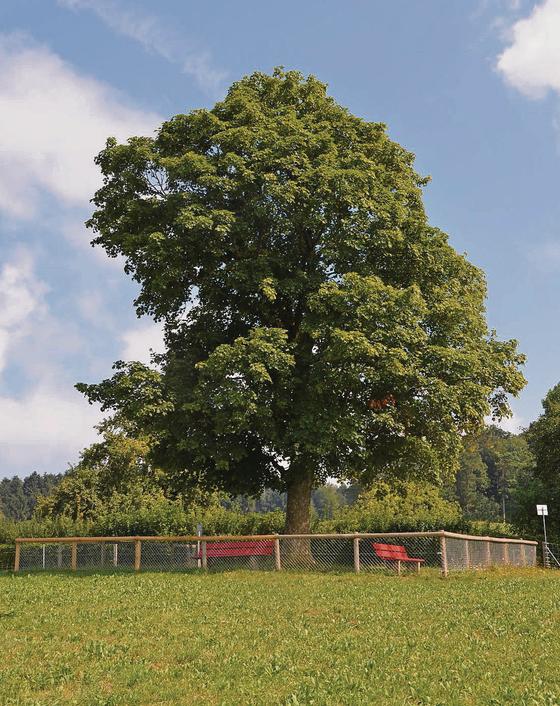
(551, 555)
(471, 553)
(385, 553)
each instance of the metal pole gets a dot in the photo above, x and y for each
(198, 546)
(545, 557)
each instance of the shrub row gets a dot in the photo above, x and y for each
(7, 556)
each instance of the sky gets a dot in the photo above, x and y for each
(471, 87)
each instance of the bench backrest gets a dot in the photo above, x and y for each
(390, 551)
(258, 547)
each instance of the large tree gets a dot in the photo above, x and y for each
(316, 325)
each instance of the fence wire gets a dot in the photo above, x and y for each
(384, 553)
(551, 555)
(485, 553)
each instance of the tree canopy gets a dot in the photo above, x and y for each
(316, 324)
(493, 471)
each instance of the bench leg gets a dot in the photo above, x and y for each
(398, 567)
(417, 567)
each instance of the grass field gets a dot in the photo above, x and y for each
(265, 638)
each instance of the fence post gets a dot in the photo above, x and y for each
(115, 555)
(443, 547)
(204, 556)
(74, 556)
(467, 554)
(505, 553)
(523, 555)
(137, 555)
(357, 555)
(277, 558)
(17, 556)
(488, 553)
(59, 556)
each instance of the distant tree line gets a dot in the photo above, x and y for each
(18, 497)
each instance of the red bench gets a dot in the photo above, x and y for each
(395, 554)
(258, 547)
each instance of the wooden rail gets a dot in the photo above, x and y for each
(234, 537)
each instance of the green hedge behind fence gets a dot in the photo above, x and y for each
(7, 555)
(389, 513)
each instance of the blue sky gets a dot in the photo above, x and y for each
(472, 88)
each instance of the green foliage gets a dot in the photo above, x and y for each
(158, 515)
(494, 468)
(486, 528)
(543, 485)
(284, 243)
(114, 473)
(397, 507)
(280, 638)
(7, 557)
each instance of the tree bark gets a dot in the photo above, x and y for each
(298, 514)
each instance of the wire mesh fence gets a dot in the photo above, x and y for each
(551, 555)
(386, 553)
(479, 553)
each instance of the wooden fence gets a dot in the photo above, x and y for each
(447, 551)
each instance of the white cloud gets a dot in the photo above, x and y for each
(531, 62)
(53, 122)
(44, 430)
(47, 425)
(138, 341)
(154, 37)
(20, 297)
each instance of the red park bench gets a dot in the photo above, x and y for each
(395, 554)
(258, 547)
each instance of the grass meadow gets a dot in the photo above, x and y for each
(265, 638)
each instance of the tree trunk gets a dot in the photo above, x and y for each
(298, 515)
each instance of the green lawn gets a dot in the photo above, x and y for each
(265, 638)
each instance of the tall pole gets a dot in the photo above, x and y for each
(545, 545)
(543, 510)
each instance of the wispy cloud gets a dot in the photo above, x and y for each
(20, 297)
(155, 37)
(53, 122)
(545, 256)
